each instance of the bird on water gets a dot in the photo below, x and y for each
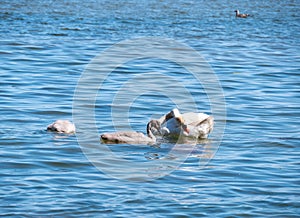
(237, 14)
(131, 137)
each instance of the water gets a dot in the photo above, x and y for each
(45, 47)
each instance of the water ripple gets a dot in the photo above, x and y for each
(46, 45)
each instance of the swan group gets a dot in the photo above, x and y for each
(196, 125)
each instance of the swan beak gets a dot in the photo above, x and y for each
(185, 129)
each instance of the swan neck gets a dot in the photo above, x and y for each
(149, 133)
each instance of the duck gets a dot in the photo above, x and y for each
(196, 125)
(132, 137)
(62, 126)
(237, 14)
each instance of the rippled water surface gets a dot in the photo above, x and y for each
(45, 46)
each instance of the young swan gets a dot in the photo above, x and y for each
(237, 14)
(197, 125)
(62, 126)
(126, 137)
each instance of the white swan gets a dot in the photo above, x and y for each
(197, 125)
(237, 14)
(172, 123)
(133, 137)
(62, 126)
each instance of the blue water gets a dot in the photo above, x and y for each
(45, 47)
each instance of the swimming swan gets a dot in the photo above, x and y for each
(62, 126)
(133, 137)
(197, 125)
(237, 14)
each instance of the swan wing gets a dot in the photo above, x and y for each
(201, 129)
(193, 119)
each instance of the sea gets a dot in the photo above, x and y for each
(114, 65)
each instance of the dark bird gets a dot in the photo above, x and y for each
(237, 14)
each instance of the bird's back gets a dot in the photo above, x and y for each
(125, 137)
